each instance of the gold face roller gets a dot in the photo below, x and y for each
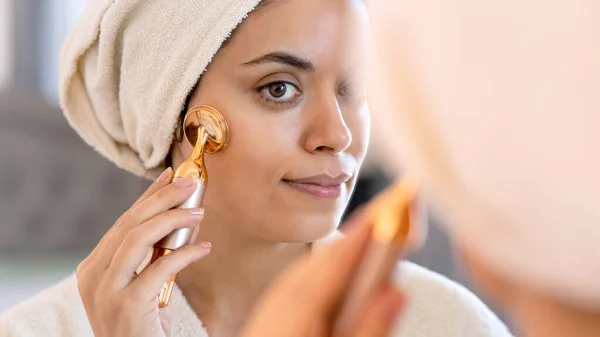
(206, 130)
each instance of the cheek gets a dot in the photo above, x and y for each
(244, 177)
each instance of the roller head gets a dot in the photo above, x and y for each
(213, 122)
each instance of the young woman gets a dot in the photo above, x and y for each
(290, 83)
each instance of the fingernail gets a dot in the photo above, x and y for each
(166, 173)
(184, 182)
(205, 245)
(196, 211)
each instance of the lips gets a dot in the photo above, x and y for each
(319, 186)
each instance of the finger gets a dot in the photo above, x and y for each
(141, 239)
(161, 201)
(166, 198)
(381, 314)
(163, 180)
(148, 284)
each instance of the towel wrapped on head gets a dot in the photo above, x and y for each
(128, 67)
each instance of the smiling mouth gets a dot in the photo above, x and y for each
(317, 191)
(322, 187)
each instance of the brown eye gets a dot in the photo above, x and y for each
(280, 92)
(278, 89)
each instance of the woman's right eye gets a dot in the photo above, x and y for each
(279, 92)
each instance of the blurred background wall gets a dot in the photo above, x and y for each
(57, 196)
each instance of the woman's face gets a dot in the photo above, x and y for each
(290, 85)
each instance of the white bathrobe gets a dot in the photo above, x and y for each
(438, 307)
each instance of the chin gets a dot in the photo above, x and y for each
(303, 229)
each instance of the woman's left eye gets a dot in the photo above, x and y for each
(279, 92)
(351, 89)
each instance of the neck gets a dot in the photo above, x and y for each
(223, 287)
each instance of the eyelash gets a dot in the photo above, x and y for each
(261, 93)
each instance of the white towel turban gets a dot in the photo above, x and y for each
(497, 104)
(128, 67)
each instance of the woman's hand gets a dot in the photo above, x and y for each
(305, 299)
(117, 301)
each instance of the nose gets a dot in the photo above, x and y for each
(327, 131)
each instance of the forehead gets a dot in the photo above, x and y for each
(319, 30)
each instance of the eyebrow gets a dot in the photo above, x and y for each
(283, 58)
